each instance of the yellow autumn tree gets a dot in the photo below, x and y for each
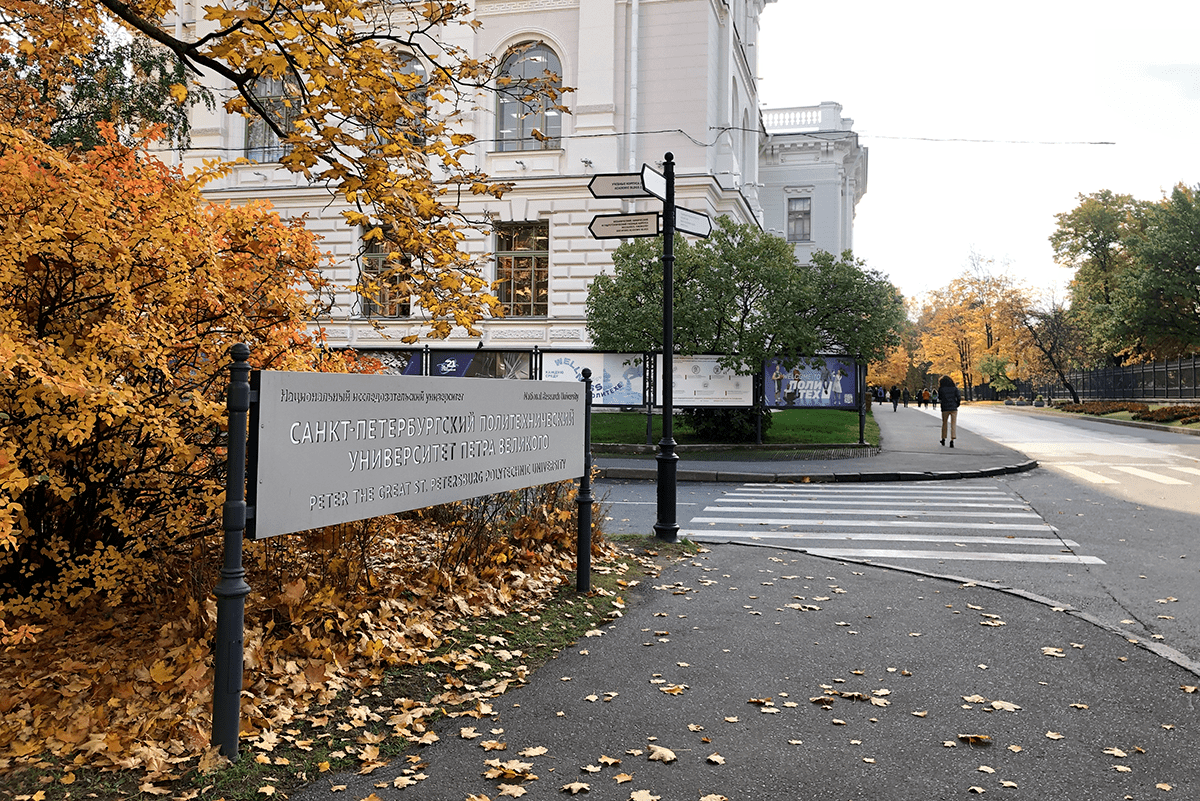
(374, 100)
(121, 292)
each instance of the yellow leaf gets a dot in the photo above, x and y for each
(267, 790)
(574, 788)
(622, 778)
(643, 795)
(512, 790)
(179, 92)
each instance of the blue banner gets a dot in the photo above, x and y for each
(821, 382)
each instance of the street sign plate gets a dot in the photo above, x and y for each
(617, 185)
(692, 222)
(654, 182)
(623, 226)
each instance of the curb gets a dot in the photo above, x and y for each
(716, 476)
(1193, 432)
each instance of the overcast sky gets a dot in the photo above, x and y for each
(1033, 80)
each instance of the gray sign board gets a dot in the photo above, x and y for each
(692, 222)
(609, 184)
(624, 226)
(333, 448)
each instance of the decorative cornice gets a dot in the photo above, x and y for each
(566, 333)
(520, 6)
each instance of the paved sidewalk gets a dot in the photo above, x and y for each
(909, 451)
(770, 675)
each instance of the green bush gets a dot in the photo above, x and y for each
(724, 425)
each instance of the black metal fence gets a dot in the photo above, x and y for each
(1176, 380)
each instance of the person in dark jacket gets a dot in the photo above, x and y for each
(894, 397)
(949, 399)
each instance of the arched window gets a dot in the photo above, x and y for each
(522, 113)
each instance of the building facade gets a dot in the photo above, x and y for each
(649, 77)
(813, 172)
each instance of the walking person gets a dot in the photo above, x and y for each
(895, 397)
(949, 398)
(906, 397)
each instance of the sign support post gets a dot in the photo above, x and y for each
(583, 537)
(232, 589)
(666, 528)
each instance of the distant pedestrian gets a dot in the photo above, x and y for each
(906, 397)
(924, 397)
(895, 397)
(950, 399)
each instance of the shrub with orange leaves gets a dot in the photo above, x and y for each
(121, 292)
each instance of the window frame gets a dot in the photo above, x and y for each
(799, 218)
(525, 115)
(530, 266)
(373, 261)
(275, 101)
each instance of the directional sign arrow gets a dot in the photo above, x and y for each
(622, 226)
(692, 222)
(654, 182)
(617, 185)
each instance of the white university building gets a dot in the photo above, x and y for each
(650, 77)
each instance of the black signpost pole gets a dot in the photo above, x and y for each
(666, 528)
(232, 589)
(583, 539)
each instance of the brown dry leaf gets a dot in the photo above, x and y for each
(493, 745)
(869, 760)
(660, 754)
(1005, 705)
(1117, 752)
(759, 701)
(337, 788)
(643, 795)
(695, 727)
(607, 760)
(1006, 783)
(266, 790)
(1079, 706)
(949, 744)
(512, 790)
(68, 779)
(1053, 735)
(537, 750)
(976, 789)
(622, 778)
(838, 722)
(574, 788)
(976, 739)
(974, 699)
(1122, 769)
(1189, 688)
(590, 768)
(1016, 749)
(468, 733)
(985, 769)
(1051, 651)
(1163, 786)
(673, 689)
(770, 710)
(714, 797)
(732, 719)
(920, 714)
(478, 798)
(716, 758)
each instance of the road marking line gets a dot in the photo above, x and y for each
(1086, 475)
(859, 501)
(1161, 479)
(796, 521)
(1191, 470)
(900, 512)
(881, 553)
(880, 537)
(927, 491)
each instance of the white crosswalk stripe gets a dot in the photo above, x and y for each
(985, 523)
(1092, 475)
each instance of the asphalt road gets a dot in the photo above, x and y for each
(1106, 524)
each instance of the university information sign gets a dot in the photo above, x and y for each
(333, 448)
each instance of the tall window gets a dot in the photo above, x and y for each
(799, 219)
(523, 268)
(278, 97)
(381, 294)
(520, 112)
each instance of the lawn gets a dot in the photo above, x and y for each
(789, 427)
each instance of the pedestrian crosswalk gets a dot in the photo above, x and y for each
(924, 521)
(1170, 475)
